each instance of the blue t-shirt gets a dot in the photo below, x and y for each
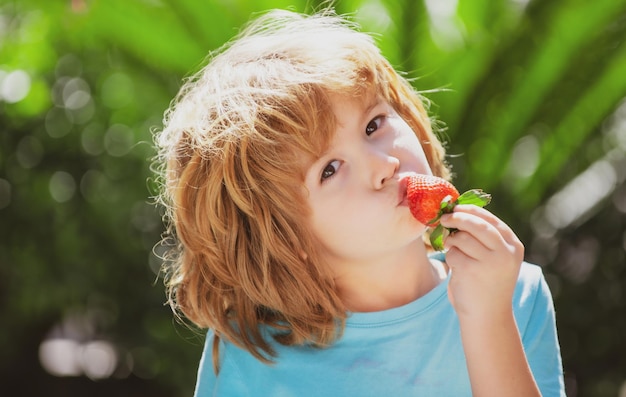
(411, 350)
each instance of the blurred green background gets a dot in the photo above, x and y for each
(531, 95)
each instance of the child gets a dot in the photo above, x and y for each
(284, 173)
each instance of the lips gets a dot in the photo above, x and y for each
(402, 200)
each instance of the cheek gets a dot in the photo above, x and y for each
(411, 154)
(406, 140)
(339, 226)
(333, 218)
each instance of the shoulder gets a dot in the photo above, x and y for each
(532, 300)
(228, 381)
(534, 313)
(530, 282)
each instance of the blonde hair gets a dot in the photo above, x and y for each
(232, 156)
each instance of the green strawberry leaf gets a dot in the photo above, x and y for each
(474, 197)
(436, 238)
(446, 203)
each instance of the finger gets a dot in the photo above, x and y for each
(475, 225)
(458, 260)
(466, 244)
(507, 233)
(507, 236)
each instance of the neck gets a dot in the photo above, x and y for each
(391, 281)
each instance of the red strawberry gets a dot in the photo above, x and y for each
(425, 194)
(430, 197)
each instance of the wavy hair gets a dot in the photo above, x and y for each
(232, 155)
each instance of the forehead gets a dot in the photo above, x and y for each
(346, 107)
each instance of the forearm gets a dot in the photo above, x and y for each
(495, 357)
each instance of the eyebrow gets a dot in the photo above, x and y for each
(376, 100)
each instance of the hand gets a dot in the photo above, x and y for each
(485, 258)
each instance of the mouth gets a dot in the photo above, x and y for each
(402, 185)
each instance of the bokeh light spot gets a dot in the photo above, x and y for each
(76, 93)
(29, 152)
(92, 139)
(581, 194)
(68, 65)
(375, 14)
(58, 357)
(524, 158)
(98, 359)
(118, 140)
(57, 123)
(62, 186)
(14, 86)
(92, 185)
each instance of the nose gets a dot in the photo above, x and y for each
(383, 167)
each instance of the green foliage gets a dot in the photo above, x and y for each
(531, 97)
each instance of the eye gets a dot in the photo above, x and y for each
(373, 125)
(329, 170)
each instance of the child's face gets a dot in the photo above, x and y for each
(356, 193)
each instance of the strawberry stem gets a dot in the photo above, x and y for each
(473, 197)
